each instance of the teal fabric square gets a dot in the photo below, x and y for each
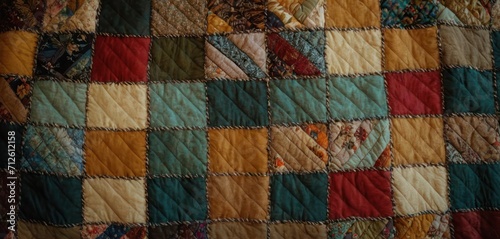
(53, 150)
(61, 103)
(177, 105)
(125, 17)
(468, 91)
(51, 199)
(177, 199)
(299, 197)
(358, 97)
(10, 134)
(237, 103)
(296, 101)
(180, 152)
(474, 186)
(496, 48)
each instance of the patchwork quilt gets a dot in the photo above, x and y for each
(271, 119)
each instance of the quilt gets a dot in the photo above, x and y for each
(271, 119)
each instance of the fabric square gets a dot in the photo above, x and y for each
(124, 17)
(178, 17)
(14, 99)
(360, 144)
(495, 13)
(61, 197)
(420, 189)
(235, 16)
(381, 228)
(357, 97)
(417, 141)
(117, 230)
(360, 194)
(65, 56)
(60, 103)
(105, 110)
(414, 93)
(423, 226)
(25, 14)
(297, 101)
(177, 199)
(236, 56)
(10, 134)
(496, 45)
(466, 47)
(237, 103)
(474, 186)
(179, 152)
(353, 52)
(298, 230)
(299, 148)
(177, 105)
(17, 49)
(472, 139)
(238, 150)
(53, 150)
(407, 13)
(296, 53)
(118, 59)
(476, 13)
(237, 230)
(295, 14)
(115, 153)
(178, 58)
(38, 230)
(70, 15)
(299, 197)
(352, 13)
(238, 197)
(480, 224)
(468, 91)
(189, 230)
(411, 49)
(106, 199)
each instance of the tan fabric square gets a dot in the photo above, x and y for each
(238, 197)
(411, 49)
(117, 106)
(238, 150)
(114, 200)
(36, 230)
(298, 230)
(178, 17)
(83, 17)
(350, 52)
(466, 47)
(420, 189)
(423, 226)
(417, 141)
(115, 153)
(17, 49)
(298, 13)
(237, 230)
(352, 13)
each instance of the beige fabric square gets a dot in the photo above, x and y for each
(117, 106)
(352, 13)
(466, 47)
(237, 230)
(114, 200)
(411, 49)
(17, 51)
(417, 141)
(420, 189)
(298, 230)
(238, 150)
(36, 230)
(238, 197)
(350, 52)
(178, 17)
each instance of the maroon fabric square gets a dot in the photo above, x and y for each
(481, 224)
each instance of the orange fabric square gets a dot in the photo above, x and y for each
(115, 153)
(17, 49)
(411, 49)
(423, 226)
(352, 13)
(238, 150)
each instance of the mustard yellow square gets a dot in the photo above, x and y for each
(352, 13)
(17, 51)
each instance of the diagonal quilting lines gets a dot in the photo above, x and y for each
(375, 130)
(302, 43)
(233, 148)
(169, 146)
(420, 139)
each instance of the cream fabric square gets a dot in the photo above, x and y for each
(466, 47)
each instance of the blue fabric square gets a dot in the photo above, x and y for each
(496, 48)
(177, 199)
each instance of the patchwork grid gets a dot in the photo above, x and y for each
(258, 119)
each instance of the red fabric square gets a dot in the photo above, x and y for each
(360, 194)
(481, 224)
(118, 59)
(414, 93)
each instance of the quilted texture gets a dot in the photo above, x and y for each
(272, 119)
